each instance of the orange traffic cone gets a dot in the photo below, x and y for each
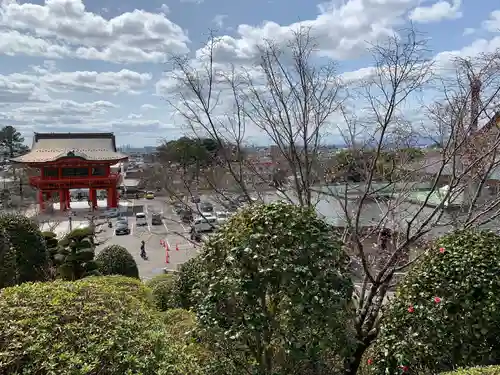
(167, 258)
(166, 246)
(176, 247)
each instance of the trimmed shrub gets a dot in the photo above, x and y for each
(52, 244)
(163, 290)
(186, 281)
(275, 290)
(489, 370)
(77, 234)
(116, 260)
(447, 310)
(90, 326)
(24, 254)
(76, 260)
(180, 323)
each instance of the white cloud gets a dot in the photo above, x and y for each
(192, 1)
(469, 31)
(63, 28)
(165, 9)
(342, 30)
(134, 116)
(125, 81)
(57, 113)
(493, 23)
(146, 107)
(438, 11)
(219, 20)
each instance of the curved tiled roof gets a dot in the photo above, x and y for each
(89, 146)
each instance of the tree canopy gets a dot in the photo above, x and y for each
(189, 151)
(12, 141)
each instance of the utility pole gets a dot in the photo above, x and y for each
(471, 147)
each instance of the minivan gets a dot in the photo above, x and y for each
(141, 219)
(156, 218)
(205, 224)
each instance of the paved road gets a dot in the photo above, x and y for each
(172, 231)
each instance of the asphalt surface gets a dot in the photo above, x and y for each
(172, 232)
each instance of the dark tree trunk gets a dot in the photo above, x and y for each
(352, 364)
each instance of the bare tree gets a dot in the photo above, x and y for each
(405, 197)
(429, 196)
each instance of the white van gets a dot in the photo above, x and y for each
(205, 224)
(141, 219)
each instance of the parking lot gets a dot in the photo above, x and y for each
(172, 232)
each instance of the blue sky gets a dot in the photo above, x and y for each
(69, 65)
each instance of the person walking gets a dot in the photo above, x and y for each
(143, 251)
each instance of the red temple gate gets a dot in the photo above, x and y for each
(74, 161)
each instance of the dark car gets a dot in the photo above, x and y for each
(206, 207)
(195, 199)
(186, 216)
(156, 219)
(122, 228)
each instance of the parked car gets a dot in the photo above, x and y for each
(122, 228)
(156, 219)
(206, 207)
(195, 199)
(112, 212)
(141, 219)
(186, 216)
(222, 217)
(204, 224)
(245, 199)
(150, 195)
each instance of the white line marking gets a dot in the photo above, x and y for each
(149, 227)
(132, 229)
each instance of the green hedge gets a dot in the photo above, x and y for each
(97, 325)
(490, 370)
(116, 260)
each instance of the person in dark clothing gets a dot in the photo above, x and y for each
(143, 250)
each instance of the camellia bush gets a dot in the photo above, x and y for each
(275, 290)
(23, 252)
(98, 325)
(116, 260)
(446, 312)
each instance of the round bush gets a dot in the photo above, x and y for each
(97, 325)
(163, 290)
(26, 258)
(447, 310)
(275, 280)
(116, 260)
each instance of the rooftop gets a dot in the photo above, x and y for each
(49, 147)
